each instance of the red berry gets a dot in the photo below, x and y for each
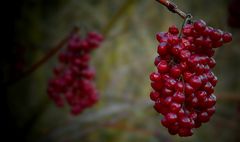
(163, 66)
(199, 42)
(162, 48)
(227, 37)
(208, 88)
(165, 122)
(207, 31)
(199, 26)
(179, 86)
(167, 101)
(189, 89)
(211, 101)
(201, 95)
(173, 130)
(175, 107)
(203, 117)
(214, 81)
(160, 36)
(173, 30)
(216, 34)
(184, 55)
(195, 82)
(155, 76)
(157, 85)
(188, 30)
(175, 71)
(211, 110)
(184, 132)
(170, 83)
(178, 97)
(212, 63)
(171, 117)
(185, 121)
(157, 60)
(207, 42)
(217, 44)
(176, 49)
(173, 40)
(154, 96)
(167, 92)
(183, 66)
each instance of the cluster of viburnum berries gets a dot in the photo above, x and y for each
(184, 83)
(73, 77)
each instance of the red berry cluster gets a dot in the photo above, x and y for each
(72, 80)
(184, 83)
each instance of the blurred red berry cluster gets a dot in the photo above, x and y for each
(184, 83)
(72, 81)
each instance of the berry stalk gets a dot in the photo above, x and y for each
(173, 8)
(35, 66)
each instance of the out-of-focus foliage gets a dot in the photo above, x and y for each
(123, 63)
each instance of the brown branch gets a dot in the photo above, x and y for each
(54, 50)
(173, 8)
(44, 59)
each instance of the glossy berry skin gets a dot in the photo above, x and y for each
(216, 34)
(195, 82)
(72, 81)
(184, 82)
(199, 25)
(227, 37)
(163, 66)
(173, 30)
(163, 48)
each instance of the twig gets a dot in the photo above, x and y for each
(173, 8)
(48, 55)
(54, 50)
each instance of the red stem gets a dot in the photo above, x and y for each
(173, 8)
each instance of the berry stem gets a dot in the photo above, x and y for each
(173, 8)
(186, 20)
(43, 60)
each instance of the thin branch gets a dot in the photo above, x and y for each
(124, 8)
(173, 8)
(44, 59)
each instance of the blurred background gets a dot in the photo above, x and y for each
(123, 63)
